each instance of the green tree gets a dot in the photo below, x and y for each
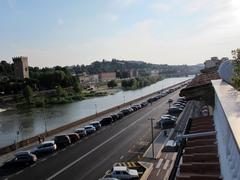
(60, 92)
(112, 84)
(28, 93)
(236, 78)
(76, 86)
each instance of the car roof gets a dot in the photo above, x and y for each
(80, 129)
(20, 153)
(119, 168)
(93, 122)
(88, 126)
(48, 142)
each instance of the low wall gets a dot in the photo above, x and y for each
(33, 139)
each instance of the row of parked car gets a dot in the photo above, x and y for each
(169, 120)
(25, 158)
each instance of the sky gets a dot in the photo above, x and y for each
(61, 32)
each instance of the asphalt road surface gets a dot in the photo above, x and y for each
(90, 158)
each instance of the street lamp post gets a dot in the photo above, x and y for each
(151, 119)
(96, 109)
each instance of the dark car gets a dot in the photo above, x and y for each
(125, 112)
(106, 121)
(21, 159)
(96, 124)
(120, 115)
(134, 108)
(62, 141)
(166, 123)
(115, 117)
(44, 147)
(74, 137)
(174, 110)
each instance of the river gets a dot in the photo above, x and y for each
(30, 122)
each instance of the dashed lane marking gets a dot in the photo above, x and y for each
(166, 164)
(121, 157)
(19, 172)
(102, 144)
(159, 163)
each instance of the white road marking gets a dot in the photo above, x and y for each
(102, 144)
(159, 163)
(121, 157)
(33, 165)
(19, 172)
(166, 164)
(44, 159)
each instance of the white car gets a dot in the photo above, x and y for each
(90, 129)
(122, 172)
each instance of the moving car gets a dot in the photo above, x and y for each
(21, 159)
(44, 147)
(62, 141)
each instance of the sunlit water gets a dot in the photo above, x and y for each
(30, 122)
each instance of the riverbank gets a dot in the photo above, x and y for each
(79, 122)
(32, 121)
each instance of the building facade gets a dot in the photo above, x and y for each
(107, 76)
(21, 67)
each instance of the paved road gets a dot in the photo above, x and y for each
(92, 156)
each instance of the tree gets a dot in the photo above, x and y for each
(28, 93)
(60, 92)
(236, 78)
(76, 86)
(112, 84)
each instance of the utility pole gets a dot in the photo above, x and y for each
(151, 119)
(96, 109)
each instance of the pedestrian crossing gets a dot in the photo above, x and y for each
(127, 164)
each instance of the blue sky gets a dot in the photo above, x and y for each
(60, 32)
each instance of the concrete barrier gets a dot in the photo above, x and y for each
(33, 139)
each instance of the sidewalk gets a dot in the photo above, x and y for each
(163, 162)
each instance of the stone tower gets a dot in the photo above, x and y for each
(21, 67)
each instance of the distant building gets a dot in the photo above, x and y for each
(107, 76)
(213, 62)
(20, 65)
(88, 79)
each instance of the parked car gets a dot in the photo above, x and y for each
(89, 129)
(74, 137)
(125, 112)
(96, 124)
(174, 110)
(44, 147)
(62, 141)
(115, 117)
(144, 104)
(106, 121)
(134, 108)
(174, 118)
(178, 105)
(123, 172)
(21, 159)
(166, 123)
(81, 132)
(130, 109)
(120, 115)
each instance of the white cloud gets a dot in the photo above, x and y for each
(160, 7)
(124, 3)
(111, 17)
